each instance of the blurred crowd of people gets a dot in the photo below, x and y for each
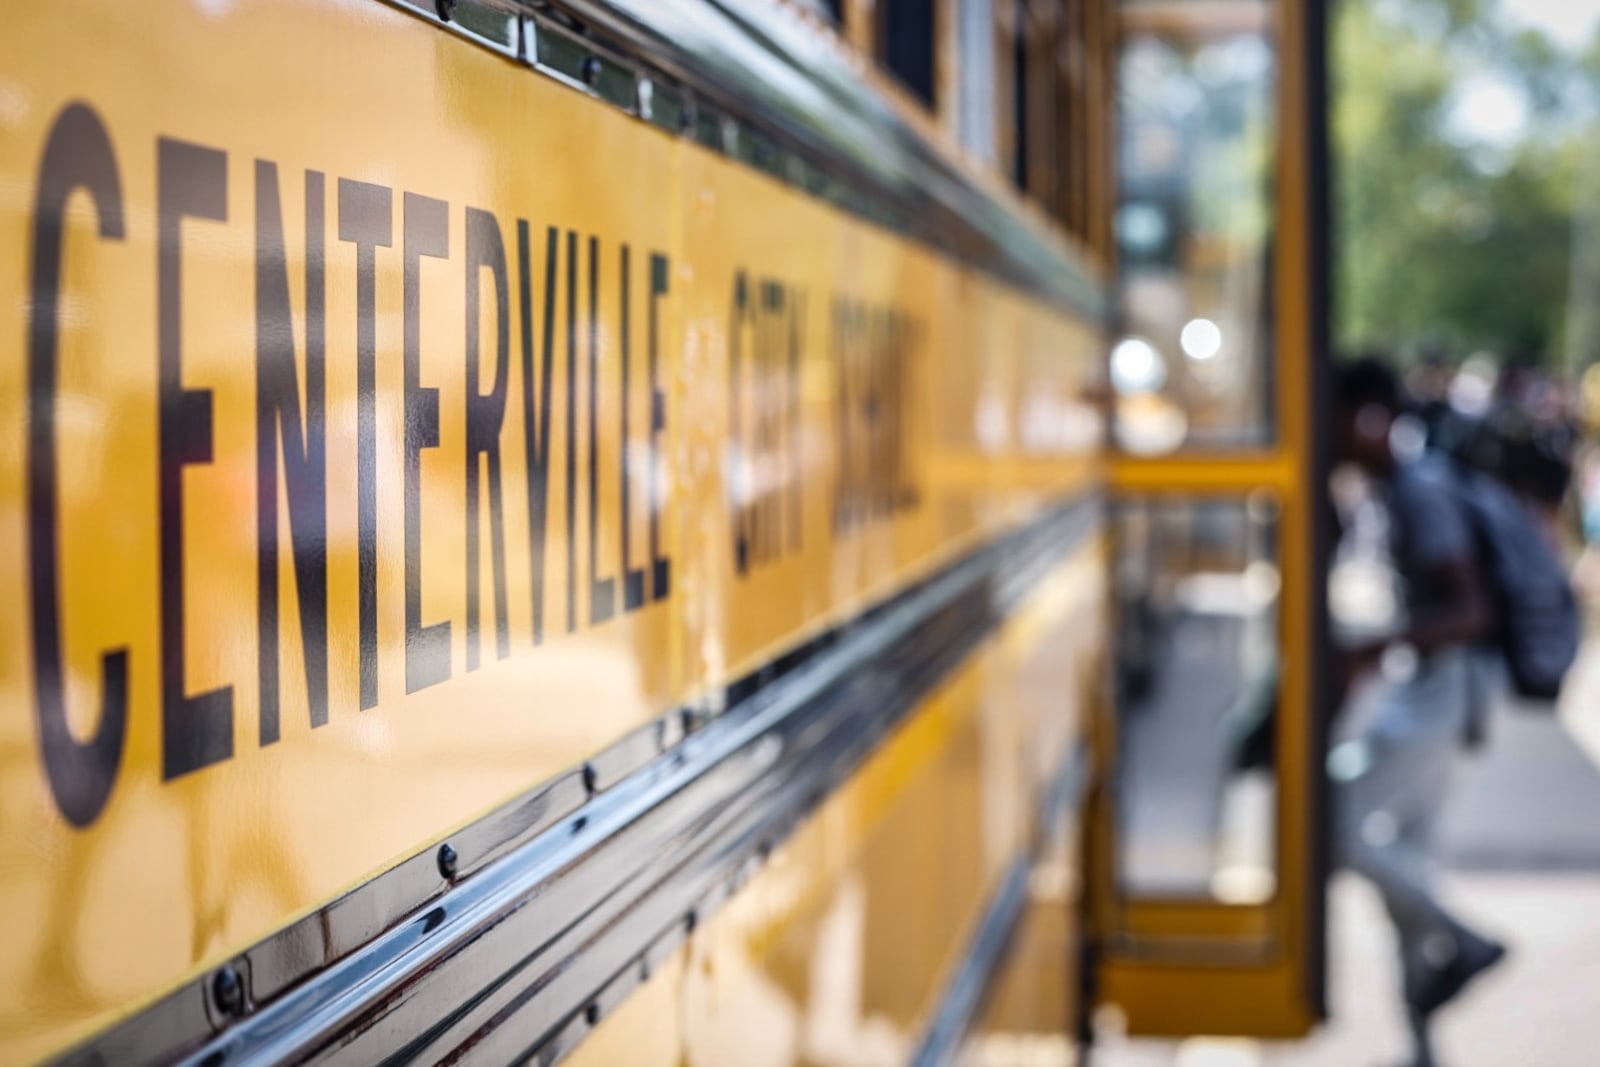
(1532, 428)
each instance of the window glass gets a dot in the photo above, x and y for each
(1197, 656)
(1193, 365)
(907, 45)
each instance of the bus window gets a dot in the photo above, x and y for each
(976, 116)
(1194, 229)
(1197, 587)
(907, 45)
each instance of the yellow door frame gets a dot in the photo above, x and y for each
(1178, 967)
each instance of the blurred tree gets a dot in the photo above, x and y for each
(1459, 143)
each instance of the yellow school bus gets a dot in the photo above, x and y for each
(602, 530)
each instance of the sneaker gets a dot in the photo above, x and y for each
(1436, 986)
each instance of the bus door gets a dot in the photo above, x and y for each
(1208, 907)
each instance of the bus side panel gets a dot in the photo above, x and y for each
(843, 947)
(387, 429)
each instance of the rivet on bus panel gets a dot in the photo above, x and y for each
(227, 991)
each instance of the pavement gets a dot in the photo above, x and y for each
(1520, 852)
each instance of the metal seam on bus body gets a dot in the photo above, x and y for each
(720, 837)
(963, 994)
(902, 173)
(961, 997)
(714, 796)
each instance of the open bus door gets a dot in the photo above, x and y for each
(1210, 846)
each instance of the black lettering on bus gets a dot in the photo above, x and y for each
(844, 367)
(366, 219)
(873, 351)
(843, 494)
(77, 155)
(632, 577)
(739, 461)
(907, 336)
(660, 565)
(536, 431)
(304, 437)
(863, 411)
(797, 315)
(758, 445)
(486, 413)
(427, 233)
(852, 445)
(572, 431)
(887, 406)
(770, 399)
(893, 409)
(878, 409)
(191, 182)
(765, 477)
(602, 589)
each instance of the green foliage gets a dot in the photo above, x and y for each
(1442, 239)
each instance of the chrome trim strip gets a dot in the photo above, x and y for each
(964, 993)
(780, 76)
(561, 900)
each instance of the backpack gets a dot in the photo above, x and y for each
(1537, 627)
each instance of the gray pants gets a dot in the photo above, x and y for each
(1391, 781)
